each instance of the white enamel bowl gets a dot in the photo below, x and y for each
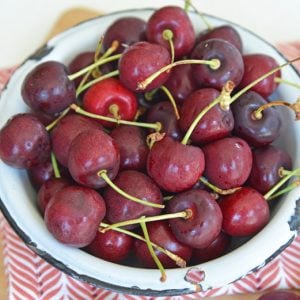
(18, 199)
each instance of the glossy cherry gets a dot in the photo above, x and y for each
(203, 226)
(47, 88)
(173, 166)
(160, 233)
(228, 162)
(217, 123)
(73, 215)
(175, 19)
(21, 148)
(92, 151)
(245, 212)
(279, 295)
(112, 99)
(141, 60)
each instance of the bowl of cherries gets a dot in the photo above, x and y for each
(151, 151)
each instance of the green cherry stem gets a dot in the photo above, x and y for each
(55, 166)
(280, 80)
(224, 95)
(213, 64)
(216, 189)
(54, 123)
(172, 100)
(161, 268)
(280, 183)
(178, 260)
(156, 126)
(182, 214)
(104, 176)
(168, 36)
(283, 172)
(287, 189)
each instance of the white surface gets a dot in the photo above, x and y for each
(26, 23)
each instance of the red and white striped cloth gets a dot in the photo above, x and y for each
(29, 277)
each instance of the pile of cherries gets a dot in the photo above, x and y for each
(157, 147)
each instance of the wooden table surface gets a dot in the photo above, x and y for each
(68, 19)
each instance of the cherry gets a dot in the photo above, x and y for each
(203, 225)
(177, 22)
(224, 32)
(135, 184)
(279, 295)
(163, 112)
(112, 246)
(173, 166)
(216, 249)
(228, 162)
(217, 123)
(91, 151)
(65, 132)
(161, 234)
(245, 212)
(267, 162)
(48, 190)
(255, 66)
(257, 132)
(127, 31)
(231, 67)
(79, 62)
(139, 61)
(181, 83)
(110, 98)
(131, 141)
(73, 215)
(47, 88)
(21, 148)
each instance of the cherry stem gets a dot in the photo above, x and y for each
(168, 36)
(167, 198)
(177, 259)
(172, 100)
(213, 64)
(152, 138)
(222, 99)
(149, 95)
(287, 189)
(216, 189)
(186, 214)
(280, 183)
(253, 83)
(156, 126)
(55, 166)
(283, 172)
(93, 66)
(161, 268)
(98, 79)
(280, 80)
(54, 123)
(114, 110)
(105, 177)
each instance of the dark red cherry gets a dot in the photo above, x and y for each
(181, 82)
(257, 65)
(228, 162)
(47, 88)
(127, 31)
(112, 245)
(48, 190)
(40, 173)
(217, 123)
(231, 68)
(73, 215)
(173, 166)
(203, 226)
(134, 150)
(245, 212)
(90, 152)
(257, 132)
(135, 184)
(279, 295)
(65, 131)
(216, 249)
(267, 162)
(173, 18)
(141, 60)
(24, 142)
(225, 32)
(112, 99)
(163, 112)
(161, 234)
